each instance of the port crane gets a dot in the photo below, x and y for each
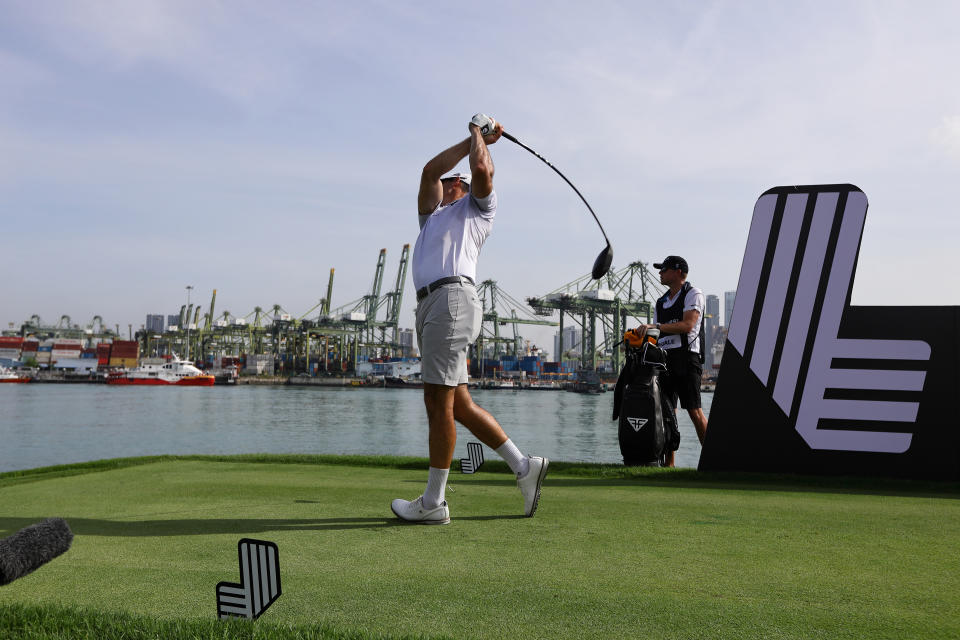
(499, 310)
(613, 299)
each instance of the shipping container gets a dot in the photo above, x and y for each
(11, 342)
(124, 349)
(123, 362)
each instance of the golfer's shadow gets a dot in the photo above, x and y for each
(215, 526)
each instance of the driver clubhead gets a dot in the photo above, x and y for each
(602, 264)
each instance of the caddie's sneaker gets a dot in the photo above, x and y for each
(530, 484)
(415, 512)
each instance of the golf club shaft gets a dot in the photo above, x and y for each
(547, 162)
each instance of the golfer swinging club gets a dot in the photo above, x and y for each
(456, 216)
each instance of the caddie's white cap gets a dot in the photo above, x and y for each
(463, 175)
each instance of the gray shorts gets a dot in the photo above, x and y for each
(448, 322)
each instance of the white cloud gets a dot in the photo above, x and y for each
(947, 135)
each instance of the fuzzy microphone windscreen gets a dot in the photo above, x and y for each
(32, 547)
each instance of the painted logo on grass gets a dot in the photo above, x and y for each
(474, 458)
(259, 585)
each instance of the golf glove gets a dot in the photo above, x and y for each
(485, 122)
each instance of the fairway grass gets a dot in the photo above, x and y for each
(610, 553)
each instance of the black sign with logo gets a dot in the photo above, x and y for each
(810, 384)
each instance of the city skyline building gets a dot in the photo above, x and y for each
(572, 337)
(155, 322)
(406, 339)
(728, 299)
(710, 324)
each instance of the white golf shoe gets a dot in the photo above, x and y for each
(530, 484)
(414, 511)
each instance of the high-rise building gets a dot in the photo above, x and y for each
(710, 324)
(572, 337)
(406, 339)
(173, 320)
(728, 298)
(155, 323)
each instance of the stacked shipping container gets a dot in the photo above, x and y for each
(44, 353)
(10, 347)
(29, 349)
(532, 366)
(65, 349)
(124, 353)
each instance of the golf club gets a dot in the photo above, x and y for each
(602, 264)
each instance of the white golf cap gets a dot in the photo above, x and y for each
(463, 175)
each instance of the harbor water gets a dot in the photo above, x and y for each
(49, 424)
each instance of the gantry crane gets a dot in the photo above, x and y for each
(492, 298)
(362, 313)
(619, 295)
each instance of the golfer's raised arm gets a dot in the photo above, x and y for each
(431, 191)
(481, 164)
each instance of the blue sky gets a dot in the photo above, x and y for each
(249, 147)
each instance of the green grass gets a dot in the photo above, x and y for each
(612, 552)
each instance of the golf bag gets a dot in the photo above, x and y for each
(647, 427)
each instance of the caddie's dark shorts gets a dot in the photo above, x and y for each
(682, 378)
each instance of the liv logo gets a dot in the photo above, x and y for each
(794, 285)
(637, 423)
(810, 383)
(259, 585)
(474, 458)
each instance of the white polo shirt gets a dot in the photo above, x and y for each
(450, 239)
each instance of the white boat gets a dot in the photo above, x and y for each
(175, 372)
(9, 375)
(544, 386)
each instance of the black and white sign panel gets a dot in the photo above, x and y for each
(259, 585)
(809, 383)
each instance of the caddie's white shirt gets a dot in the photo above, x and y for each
(694, 300)
(450, 239)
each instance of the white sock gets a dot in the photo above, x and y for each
(518, 462)
(435, 493)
